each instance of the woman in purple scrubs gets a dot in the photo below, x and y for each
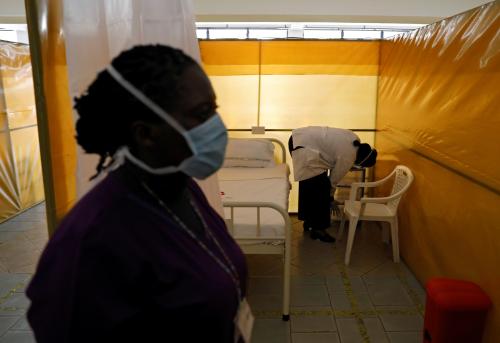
(143, 257)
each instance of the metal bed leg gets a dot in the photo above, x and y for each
(286, 276)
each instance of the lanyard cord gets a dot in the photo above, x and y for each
(229, 267)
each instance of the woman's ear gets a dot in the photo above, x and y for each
(143, 134)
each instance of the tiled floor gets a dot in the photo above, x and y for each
(21, 242)
(372, 300)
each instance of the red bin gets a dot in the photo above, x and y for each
(455, 311)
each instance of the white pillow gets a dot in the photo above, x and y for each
(250, 153)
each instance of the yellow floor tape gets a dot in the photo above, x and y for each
(411, 292)
(363, 331)
(355, 313)
(7, 296)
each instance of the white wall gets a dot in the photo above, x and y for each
(12, 11)
(417, 11)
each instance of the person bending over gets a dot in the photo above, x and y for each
(316, 150)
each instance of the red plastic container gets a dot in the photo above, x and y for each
(455, 311)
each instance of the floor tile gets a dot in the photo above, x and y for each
(387, 291)
(13, 282)
(6, 322)
(6, 236)
(15, 263)
(313, 319)
(16, 304)
(18, 337)
(30, 216)
(360, 302)
(270, 331)
(387, 269)
(339, 284)
(315, 338)
(350, 332)
(20, 226)
(310, 295)
(402, 319)
(21, 325)
(405, 337)
(298, 281)
(265, 302)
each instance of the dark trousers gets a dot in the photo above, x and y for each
(314, 202)
(314, 199)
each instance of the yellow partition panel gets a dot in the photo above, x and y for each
(237, 98)
(309, 57)
(230, 57)
(289, 84)
(233, 67)
(438, 113)
(21, 184)
(283, 85)
(55, 117)
(345, 101)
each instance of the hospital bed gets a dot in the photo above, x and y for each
(255, 193)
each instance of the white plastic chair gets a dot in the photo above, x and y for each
(376, 209)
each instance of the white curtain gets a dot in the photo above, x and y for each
(96, 31)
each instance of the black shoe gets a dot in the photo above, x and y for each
(306, 227)
(322, 235)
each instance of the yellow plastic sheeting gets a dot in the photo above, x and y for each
(21, 184)
(439, 91)
(438, 107)
(26, 155)
(9, 199)
(56, 117)
(344, 101)
(448, 226)
(283, 136)
(18, 99)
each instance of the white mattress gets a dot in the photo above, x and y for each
(256, 185)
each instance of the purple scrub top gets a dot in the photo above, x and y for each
(119, 269)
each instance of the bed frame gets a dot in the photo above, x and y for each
(263, 245)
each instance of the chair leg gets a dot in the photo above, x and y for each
(395, 239)
(353, 222)
(340, 232)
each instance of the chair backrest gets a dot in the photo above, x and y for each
(402, 182)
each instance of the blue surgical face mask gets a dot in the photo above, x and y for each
(206, 141)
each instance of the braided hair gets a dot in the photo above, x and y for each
(106, 110)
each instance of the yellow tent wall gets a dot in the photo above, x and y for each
(21, 184)
(438, 113)
(55, 117)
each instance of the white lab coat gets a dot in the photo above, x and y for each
(325, 148)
